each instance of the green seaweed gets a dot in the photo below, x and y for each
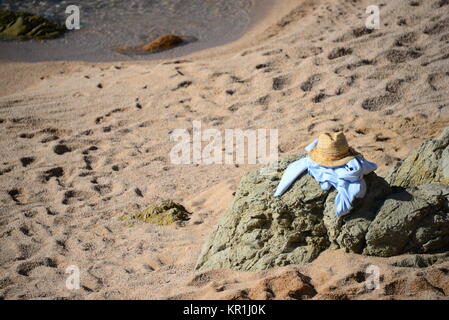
(165, 213)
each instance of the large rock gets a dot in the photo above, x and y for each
(260, 231)
(413, 220)
(427, 164)
(25, 26)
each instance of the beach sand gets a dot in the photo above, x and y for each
(83, 143)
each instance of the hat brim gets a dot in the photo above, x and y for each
(316, 157)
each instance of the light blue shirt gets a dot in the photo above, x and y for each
(347, 179)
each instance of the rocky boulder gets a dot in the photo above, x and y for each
(260, 231)
(413, 220)
(427, 164)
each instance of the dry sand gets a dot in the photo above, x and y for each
(75, 156)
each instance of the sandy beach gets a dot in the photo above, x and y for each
(84, 143)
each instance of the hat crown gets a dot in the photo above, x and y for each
(333, 143)
(332, 150)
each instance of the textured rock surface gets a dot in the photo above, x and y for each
(427, 164)
(23, 26)
(414, 220)
(259, 231)
(422, 261)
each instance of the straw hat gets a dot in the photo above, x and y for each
(332, 150)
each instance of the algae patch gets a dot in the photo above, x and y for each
(25, 26)
(165, 213)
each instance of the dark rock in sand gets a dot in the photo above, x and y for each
(162, 43)
(25, 26)
(427, 164)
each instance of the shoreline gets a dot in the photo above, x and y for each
(259, 9)
(262, 18)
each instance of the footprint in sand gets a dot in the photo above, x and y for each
(183, 85)
(354, 34)
(438, 81)
(339, 52)
(100, 119)
(310, 82)
(353, 66)
(88, 150)
(88, 160)
(49, 139)
(279, 83)
(26, 161)
(25, 268)
(402, 55)
(263, 66)
(394, 86)
(60, 149)
(320, 97)
(15, 194)
(26, 230)
(26, 135)
(437, 28)
(26, 251)
(6, 170)
(103, 189)
(406, 39)
(118, 167)
(56, 172)
(380, 102)
(73, 196)
(379, 137)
